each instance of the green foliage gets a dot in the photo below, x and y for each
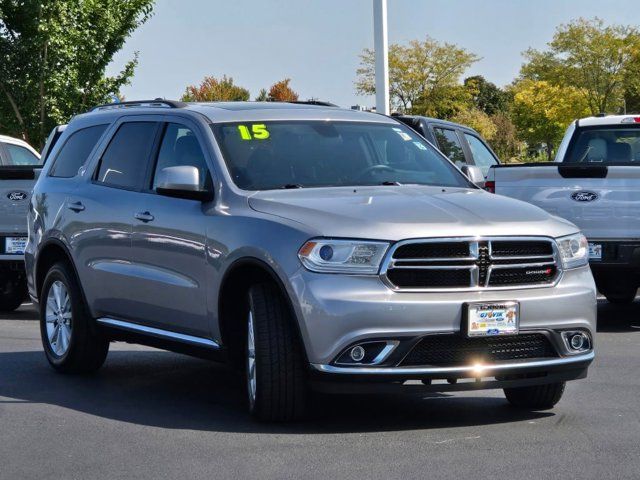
(53, 58)
(506, 143)
(263, 95)
(486, 96)
(542, 111)
(213, 90)
(422, 75)
(478, 120)
(600, 61)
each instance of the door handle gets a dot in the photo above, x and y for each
(144, 217)
(76, 206)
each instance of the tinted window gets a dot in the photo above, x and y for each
(20, 156)
(482, 156)
(449, 144)
(124, 162)
(291, 154)
(180, 147)
(75, 152)
(606, 145)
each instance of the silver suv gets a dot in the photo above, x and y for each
(314, 247)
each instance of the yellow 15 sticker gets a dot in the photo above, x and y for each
(258, 131)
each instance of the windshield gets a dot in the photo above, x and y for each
(19, 156)
(606, 145)
(299, 154)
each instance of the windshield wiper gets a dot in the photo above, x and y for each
(288, 186)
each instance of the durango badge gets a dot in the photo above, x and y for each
(584, 196)
(17, 195)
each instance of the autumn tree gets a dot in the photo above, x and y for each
(424, 76)
(54, 56)
(478, 120)
(542, 111)
(213, 90)
(594, 58)
(505, 143)
(282, 92)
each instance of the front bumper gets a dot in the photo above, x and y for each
(510, 374)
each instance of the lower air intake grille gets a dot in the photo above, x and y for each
(455, 350)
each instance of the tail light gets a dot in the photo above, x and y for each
(490, 186)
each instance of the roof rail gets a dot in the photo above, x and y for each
(319, 103)
(157, 102)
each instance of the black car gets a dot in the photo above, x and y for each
(463, 145)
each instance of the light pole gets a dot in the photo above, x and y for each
(380, 44)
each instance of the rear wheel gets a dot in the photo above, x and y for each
(623, 296)
(536, 397)
(276, 386)
(70, 344)
(12, 294)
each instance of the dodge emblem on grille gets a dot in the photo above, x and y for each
(584, 196)
(17, 195)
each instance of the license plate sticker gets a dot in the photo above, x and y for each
(15, 245)
(488, 319)
(595, 251)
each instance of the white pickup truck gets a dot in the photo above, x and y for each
(594, 182)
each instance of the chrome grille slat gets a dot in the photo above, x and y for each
(486, 271)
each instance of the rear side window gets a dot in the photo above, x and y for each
(482, 157)
(124, 162)
(75, 152)
(20, 156)
(449, 144)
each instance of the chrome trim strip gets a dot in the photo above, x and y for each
(484, 370)
(157, 332)
(381, 357)
(389, 262)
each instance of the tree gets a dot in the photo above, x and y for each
(54, 56)
(213, 90)
(542, 111)
(486, 96)
(505, 142)
(591, 57)
(282, 92)
(478, 120)
(263, 96)
(420, 73)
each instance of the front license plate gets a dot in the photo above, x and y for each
(595, 251)
(492, 318)
(15, 244)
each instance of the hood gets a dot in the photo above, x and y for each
(402, 212)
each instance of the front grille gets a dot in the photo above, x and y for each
(472, 264)
(456, 350)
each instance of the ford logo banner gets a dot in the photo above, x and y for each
(584, 196)
(17, 196)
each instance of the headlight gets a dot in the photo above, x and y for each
(342, 256)
(574, 250)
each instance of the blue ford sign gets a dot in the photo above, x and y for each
(584, 196)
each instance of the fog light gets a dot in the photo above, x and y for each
(357, 353)
(577, 341)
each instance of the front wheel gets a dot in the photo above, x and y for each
(536, 397)
(275, 373)
(70, 343)
(12, 294)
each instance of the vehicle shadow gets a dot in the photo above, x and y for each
(26, 312)
(614, 318)
(167, 390)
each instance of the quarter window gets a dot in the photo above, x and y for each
(75, 152)
(19, 155)
(181, 147)
(124, 162)
(449, 144)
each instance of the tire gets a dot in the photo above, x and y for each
(275, 367)
(537, 397)
(12, 296)
(77, 347)
(621, 297)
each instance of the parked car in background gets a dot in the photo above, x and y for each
(18, 162)
(461, 144)
(313, 247)
(594, 183)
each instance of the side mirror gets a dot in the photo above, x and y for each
(474, 174)
(182, 182)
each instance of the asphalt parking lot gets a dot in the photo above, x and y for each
(153, 414)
